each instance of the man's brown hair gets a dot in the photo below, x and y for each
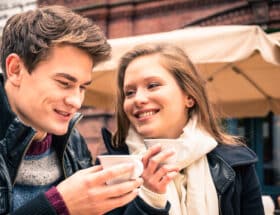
(32, 34)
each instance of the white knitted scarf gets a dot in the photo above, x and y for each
(194, 190)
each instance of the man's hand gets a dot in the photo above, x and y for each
(86, 192)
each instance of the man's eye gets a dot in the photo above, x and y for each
(64, 83)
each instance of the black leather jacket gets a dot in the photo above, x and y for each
(15, 138)
(72, 152)
(234, 176)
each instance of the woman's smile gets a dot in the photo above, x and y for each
(154, 103)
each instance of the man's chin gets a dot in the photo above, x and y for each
(59, 132)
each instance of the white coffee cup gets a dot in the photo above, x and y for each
(175, 145)
(112, 160)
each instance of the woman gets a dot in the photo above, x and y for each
(161, 95)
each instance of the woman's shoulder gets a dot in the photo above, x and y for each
(107, 139)
(234, 155)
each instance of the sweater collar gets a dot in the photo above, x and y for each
(39, 147)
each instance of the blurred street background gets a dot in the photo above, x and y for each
(127, 18)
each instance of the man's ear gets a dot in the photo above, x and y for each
(14, 69)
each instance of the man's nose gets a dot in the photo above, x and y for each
(75, 99)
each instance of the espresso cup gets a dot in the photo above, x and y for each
(111, 160)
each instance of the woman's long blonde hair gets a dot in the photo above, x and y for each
(174, 60)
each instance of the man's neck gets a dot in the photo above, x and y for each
(39, 136)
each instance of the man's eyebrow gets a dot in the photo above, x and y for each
(71, 78)
(67, 76)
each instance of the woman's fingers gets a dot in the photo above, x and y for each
(157, 172)
(150, 153)
(163, 171)
(156, 161)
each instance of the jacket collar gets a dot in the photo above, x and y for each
(60, 142)
(14, 136)
(223, 159)
(107, 139)
(7, 116)
(235, 155)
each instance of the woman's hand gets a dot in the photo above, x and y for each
(157, 174)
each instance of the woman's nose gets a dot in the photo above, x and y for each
(140, 98)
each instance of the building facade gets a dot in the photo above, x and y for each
(11, 7)
(121, 18)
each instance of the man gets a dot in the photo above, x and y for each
(47, 56)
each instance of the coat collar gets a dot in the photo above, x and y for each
(223, 159)
(235, 155)
(7, 116)
(14, 136)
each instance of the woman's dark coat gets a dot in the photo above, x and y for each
(234, 176)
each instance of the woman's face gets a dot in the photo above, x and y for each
(154, 103)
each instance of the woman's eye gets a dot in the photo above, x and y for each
(128, 93)
(152, 85)
(83, 87)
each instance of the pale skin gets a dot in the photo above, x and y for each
(151, 93)
(155, 175)
(86, 191)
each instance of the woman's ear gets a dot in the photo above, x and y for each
(14, 68)
(189, 102)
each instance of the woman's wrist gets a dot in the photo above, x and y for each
(153, 199)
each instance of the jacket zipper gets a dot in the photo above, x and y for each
(62, 160)
(220, 201)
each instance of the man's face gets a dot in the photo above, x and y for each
(47, 98)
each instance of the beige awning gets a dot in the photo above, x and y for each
(241, 64)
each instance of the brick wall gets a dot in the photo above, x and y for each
(11, 7)
(90, 127)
